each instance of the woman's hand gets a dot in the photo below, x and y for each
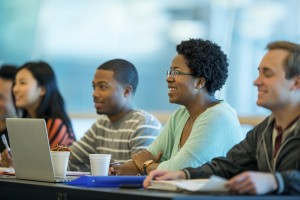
(6, 159)
(163, 175)
(142, 156)
(129, 168)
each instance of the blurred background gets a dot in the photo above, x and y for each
(76, 36)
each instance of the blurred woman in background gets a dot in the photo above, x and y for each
(37, 95)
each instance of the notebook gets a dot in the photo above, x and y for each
(214, 184)
(31, 151)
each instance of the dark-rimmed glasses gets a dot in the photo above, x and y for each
(174, 73)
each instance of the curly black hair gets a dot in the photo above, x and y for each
(207, 60)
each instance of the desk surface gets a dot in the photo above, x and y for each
(11, 188)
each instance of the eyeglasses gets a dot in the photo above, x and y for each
(174, 73)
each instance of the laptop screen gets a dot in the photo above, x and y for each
(30, 149)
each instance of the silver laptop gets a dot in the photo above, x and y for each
(30, 150)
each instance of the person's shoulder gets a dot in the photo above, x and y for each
(139, 113)
(101, 120)
(265, 126)
(55, 123)
(223, 107)
(145, 117)
(142, 113)
(102, 117)
(267, 122)
(221, 112)
(179, 112)
(54, 120)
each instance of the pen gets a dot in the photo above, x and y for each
(116, 163)
(119, 163)
(6, 144)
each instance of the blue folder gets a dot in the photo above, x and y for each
(106, 181)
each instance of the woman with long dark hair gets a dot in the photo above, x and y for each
(37, 95)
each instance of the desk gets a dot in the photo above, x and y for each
(11, 188)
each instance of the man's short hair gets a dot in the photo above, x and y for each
(8, 72)
(124, 72)
(292, 62)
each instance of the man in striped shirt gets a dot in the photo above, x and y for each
(120, 130)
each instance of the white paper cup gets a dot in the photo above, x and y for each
(60, 161)
(99, 164)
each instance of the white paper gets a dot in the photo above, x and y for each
(7, 170)
(213, 184)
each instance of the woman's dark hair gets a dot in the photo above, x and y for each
(124, 72)
(207, 60)
(52, 104)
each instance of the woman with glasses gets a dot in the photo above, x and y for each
(203, 127)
